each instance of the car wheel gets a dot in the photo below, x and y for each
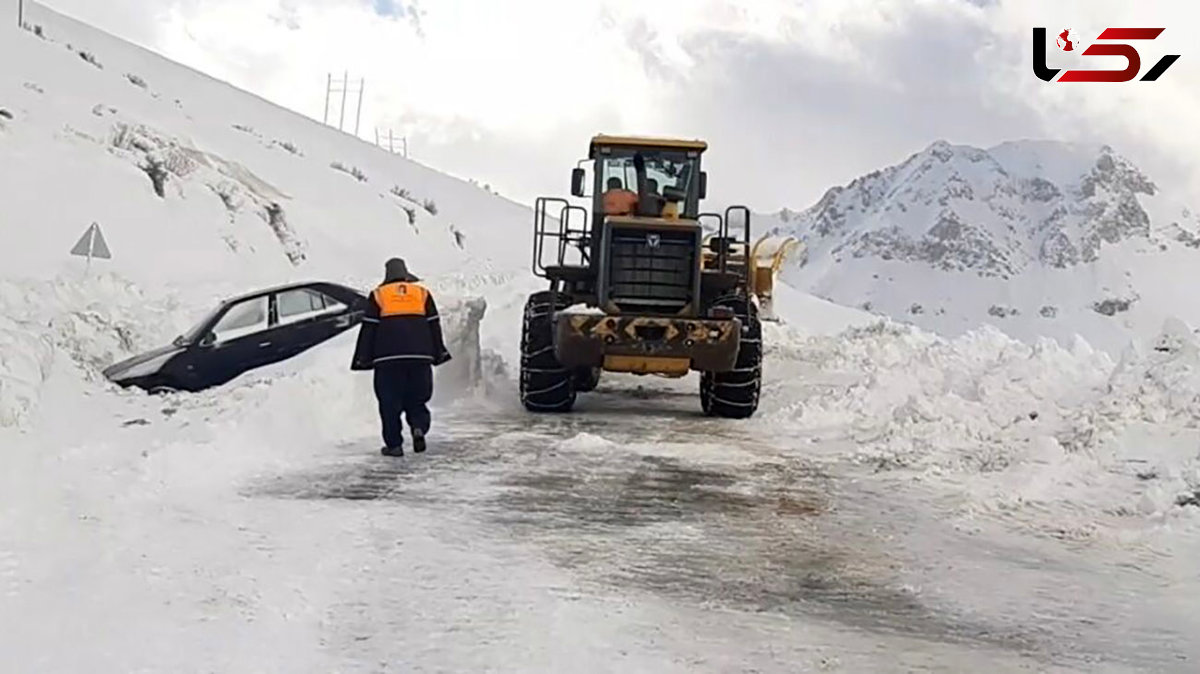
(161, 389)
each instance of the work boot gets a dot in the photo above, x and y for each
(418, 440)
(393, 451)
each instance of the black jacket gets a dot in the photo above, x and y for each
(401, 324)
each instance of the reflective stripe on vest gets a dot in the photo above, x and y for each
(400, 299)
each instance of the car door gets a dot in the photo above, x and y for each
(307, 317)
(237, 342)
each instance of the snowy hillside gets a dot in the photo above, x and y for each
(1038, 238)
(201, 191)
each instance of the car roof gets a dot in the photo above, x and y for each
(315, 285)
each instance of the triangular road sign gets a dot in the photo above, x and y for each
(92, 244)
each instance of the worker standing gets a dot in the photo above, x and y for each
(401, 340)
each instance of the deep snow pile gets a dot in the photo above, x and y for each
(1036, 238)
(203, 191)
(1015, 428)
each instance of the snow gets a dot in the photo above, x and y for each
(857, 522)
(1037, 238)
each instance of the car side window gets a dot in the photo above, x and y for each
(243, 318)
(297, 305)
(331, 304)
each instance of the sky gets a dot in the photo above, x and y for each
(793, 96)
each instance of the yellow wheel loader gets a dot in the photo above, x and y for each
(635, 285)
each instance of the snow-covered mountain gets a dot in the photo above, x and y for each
(1040, 238)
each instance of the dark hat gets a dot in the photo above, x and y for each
(397, 270)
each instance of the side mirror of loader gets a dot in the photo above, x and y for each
(703, 185)
(577, 177)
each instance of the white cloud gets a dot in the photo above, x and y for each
(794, 95)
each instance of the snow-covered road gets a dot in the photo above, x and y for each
(634, 535)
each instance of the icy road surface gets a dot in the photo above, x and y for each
(631, 536)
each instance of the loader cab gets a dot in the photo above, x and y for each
(658, 178)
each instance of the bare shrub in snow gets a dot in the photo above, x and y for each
(6, 114)
(412, 215)
(1112, 306)
(290, 147)
(90, 58)
(32, 86)
(1002, 312)
(353, 170)
(916, 309)
(136, 81)
(430, 206)
(459, 237)
(1049, 311)
(402, 193)
(243, 128)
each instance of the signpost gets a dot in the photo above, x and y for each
(92, 244)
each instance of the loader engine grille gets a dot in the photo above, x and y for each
(652, 272)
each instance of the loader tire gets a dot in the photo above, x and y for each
(734, 394)
(546, 386)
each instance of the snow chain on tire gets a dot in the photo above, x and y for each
(734, 394)
(546, 386)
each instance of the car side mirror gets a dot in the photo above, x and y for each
(577, 178)
(207, 340)
(703, 185)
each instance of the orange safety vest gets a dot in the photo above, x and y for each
(401, 299)
(619, 202)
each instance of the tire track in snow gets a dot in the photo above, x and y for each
(752, 531)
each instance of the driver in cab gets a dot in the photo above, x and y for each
(618, 200)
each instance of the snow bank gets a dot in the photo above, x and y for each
(86, 322)
(920, 401)
(1016, 426)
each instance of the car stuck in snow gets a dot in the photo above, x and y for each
(243, 333)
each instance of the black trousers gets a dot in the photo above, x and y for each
(403, 388)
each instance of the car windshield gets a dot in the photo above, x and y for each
(193, 334)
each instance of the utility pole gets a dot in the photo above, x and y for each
(342, 87)
(328, 89)
(391, 142)
(362, 85)
(345, 88)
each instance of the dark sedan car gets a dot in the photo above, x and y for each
(244, 333)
